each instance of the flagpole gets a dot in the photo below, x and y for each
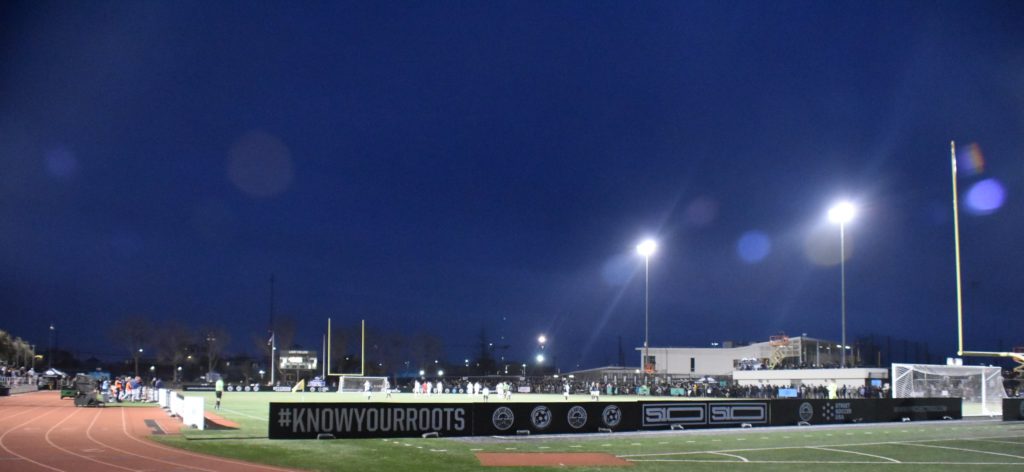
(956, 239)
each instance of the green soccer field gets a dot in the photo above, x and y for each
(947, 445)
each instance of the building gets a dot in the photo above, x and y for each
(778, 353)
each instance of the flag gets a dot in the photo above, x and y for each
(973, 161)
(299, 386)
(270, 342)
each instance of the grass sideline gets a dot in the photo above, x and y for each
(924, 446)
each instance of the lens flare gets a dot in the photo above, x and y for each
(61, 162)
(753, 247)
(701, 212)
(822, 246)
(260, 165)
(985, 197)
(618, 270)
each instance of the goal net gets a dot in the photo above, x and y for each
(357, 383)
(980, 387)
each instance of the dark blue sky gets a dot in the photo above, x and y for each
(451, 166)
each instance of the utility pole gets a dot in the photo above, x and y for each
(49, 357)
(273, 340)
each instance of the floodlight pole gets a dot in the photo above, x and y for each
(647, 297)
(842, 283)
(646, 248)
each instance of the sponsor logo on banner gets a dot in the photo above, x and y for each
(577, 417)
(355, 420)
(836, 411)
(611, 416)
(729, 413)
(806, 411)
(540, 417)
(717, 413)
(503, 418)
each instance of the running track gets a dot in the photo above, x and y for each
(40, 432)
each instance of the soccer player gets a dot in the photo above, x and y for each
(386, 388)
(595, 391)
(565, 390)
(416, 388)
(366, 388)
(218, 391)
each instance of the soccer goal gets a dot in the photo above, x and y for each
(357, 383)
(980, 387)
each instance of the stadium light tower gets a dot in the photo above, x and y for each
(646, 248)
(842, 213)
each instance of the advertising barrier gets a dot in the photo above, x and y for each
(1013, 409)
(189, 409)
(370, 420)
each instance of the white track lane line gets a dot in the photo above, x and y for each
(251, 465)
(4, 446)
(88, 434)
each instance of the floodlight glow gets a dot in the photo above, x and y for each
(540, 358)
(646, 248)
(842, 212)
(542, 339)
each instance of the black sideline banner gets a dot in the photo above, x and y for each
(374, 420)
(369, 420)
(1013, 409)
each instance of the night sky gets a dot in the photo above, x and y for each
(447, 167)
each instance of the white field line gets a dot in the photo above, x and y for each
(968, 450)
(1014, 464)
(741, 458)
(1015, 443)
(779, 448)
(239, 413)
(853, 452)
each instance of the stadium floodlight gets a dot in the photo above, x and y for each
(422, 372)
(540, 358)
(646, 248)
(440, 373)
(842, 213)
(542, 339)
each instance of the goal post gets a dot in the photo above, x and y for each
(357, 383)
(979, 387)
(362, 352)
(1018, 357)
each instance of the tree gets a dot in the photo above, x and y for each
(338, 348)
(172, 345)
(214, 341)
(485, 361)
(425, 349)
(132, 332)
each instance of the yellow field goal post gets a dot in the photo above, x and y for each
(1016, 355)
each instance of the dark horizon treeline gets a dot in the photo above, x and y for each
(172, 351)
